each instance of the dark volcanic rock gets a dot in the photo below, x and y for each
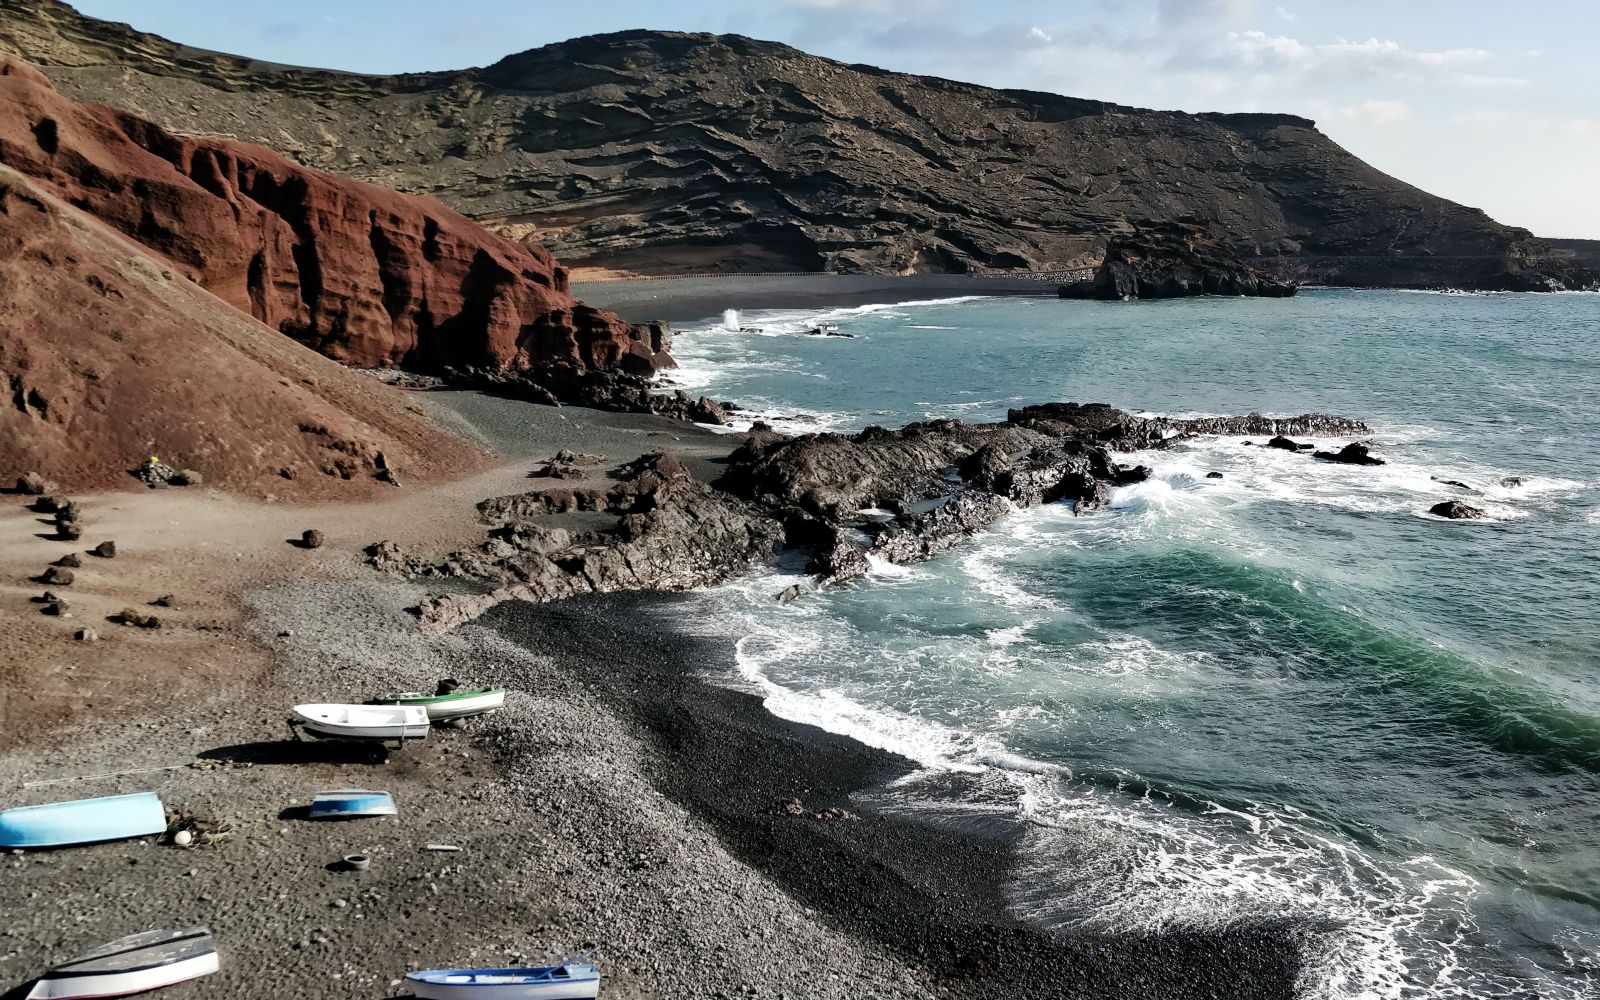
(1173, 260)
(1286, 444)
(1354, 453)
(311, 538)
(105, 550)
(1455, 510)
(662, 151)
(822, 496)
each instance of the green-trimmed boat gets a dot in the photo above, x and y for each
(450, 702)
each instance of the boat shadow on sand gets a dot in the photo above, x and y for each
(291, 752)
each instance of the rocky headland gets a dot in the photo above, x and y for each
(664, 152)
(837, 502)
(1172, 260)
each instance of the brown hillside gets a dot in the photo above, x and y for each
(109, 355)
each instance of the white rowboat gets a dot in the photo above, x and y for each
(132, 964)
(363, 722)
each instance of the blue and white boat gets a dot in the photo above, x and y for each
(573, 979)
(133, 964)
(83, 821)
(351, 803)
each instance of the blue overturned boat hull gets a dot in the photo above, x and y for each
(351, 803)
(83, 821)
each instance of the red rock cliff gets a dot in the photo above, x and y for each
(366, 276)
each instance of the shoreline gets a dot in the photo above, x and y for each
(686, 300)
(932, 892)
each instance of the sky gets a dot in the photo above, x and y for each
(1491, 104)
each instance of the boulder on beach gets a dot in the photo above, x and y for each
(1455, 510)
(31, 484)
(105, 550)
(311, 538)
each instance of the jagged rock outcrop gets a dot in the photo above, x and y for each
(898, 496)
(1455, 510)
(663, 152)
(1172, 260)
(366, 276)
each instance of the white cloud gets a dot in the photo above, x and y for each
(1285, 14)
(1375, 112)
(1040, 34)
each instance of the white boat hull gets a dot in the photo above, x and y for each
(363, 722)
(118, 984)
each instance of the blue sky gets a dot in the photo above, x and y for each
(1491, 104)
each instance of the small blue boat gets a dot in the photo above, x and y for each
(83, 821)
(351, 803)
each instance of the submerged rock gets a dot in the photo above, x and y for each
(1456, 511)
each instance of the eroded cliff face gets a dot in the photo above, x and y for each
(366, 276)
(108, 356)
(666, 152)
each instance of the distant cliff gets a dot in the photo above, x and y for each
(663, 152)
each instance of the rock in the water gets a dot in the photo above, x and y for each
(1455, 510)
(311, 538)
(31, 484)
(105, 550)
(1512, 482)
(792, 593)
(1354, 453)
(1286, 444)
(1213, 475)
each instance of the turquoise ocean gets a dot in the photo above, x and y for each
(1288, 693)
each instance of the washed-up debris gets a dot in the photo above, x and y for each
(201, 832)
(451, 848)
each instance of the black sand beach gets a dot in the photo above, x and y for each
(682, 300)
(930, 892)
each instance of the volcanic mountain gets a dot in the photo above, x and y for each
(663, 152)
